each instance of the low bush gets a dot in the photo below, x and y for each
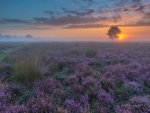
(75, 52)
(90, 53)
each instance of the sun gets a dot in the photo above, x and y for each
(121, 36)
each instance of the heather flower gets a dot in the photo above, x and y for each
(74, 83)
(135, 86)
(73, 107)
(61, 110)
(5, 70)
(88, 81)
(3, 107)
(117, 72)
(105, 97)
(144, 69)
(140, 104)
(101, 110)
(147, 82)
(134, 65)
(77, 88)
(42, 103)
(124, 108)
(84, 99)
(17, 109)
(140, 100)
(5, 96)
(72, 80)
(107, 83)
(14, 89)
(47, 85)
(84, 72)
(136, 104)
(134, 75)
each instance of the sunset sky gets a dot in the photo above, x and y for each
(75, 18)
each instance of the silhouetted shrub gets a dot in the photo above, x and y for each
(74, 51)
(90, 53)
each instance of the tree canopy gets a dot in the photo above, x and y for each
(113, 32)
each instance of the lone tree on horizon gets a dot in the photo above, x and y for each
(113, 32)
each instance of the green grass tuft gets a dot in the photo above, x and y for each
(26, 71)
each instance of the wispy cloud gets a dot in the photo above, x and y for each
(18, 21)
(50, 12)
(86, 26)
(69, 19)
(77, 13)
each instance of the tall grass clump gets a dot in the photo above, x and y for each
(27, 70)
(90, 53)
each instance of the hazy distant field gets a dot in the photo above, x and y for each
(75, 77)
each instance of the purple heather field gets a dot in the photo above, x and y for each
(75, 77)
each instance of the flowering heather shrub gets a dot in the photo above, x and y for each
(84, 72)
(65, 61)
(105, 97)
(16, 109)
(3, 107)
(117, 72)
(7, 68)
(52, 88)
(134, 65)
(128, 90)
(7, 93)
(140, 100)
(88, 81)
(61, 76)
(124, 108)
(73, 107)
(136, 87)
(147, 82)
(115, 79)
(66, 64)
(41, 104)
(14, 89)
(107, 83)
(135, 105)
(111, 58)
(77, 88)
(134, 75)
(47, 85)
(98, 108)
(53, 67)
(144, 69)
(84, 100)
(61, 110)
(5, 96)
(72, 80)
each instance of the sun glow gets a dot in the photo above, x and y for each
(121, 36)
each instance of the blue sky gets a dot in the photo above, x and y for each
(72, 14)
